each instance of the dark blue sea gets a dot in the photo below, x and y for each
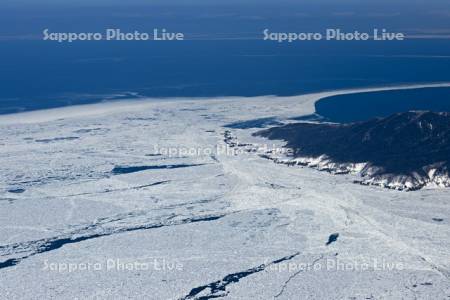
(224, 54)
(364, 106)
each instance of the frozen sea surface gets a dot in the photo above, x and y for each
(98, 211)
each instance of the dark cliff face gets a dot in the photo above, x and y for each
(402, 144)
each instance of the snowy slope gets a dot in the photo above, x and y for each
(405, 151)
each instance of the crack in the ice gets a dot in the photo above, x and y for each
(9, 200)
(332, 238)
(444, 272)
(283, 288)
(202, 201)
(120, 170)
(412, 291)
(45, 245)
(218, 288)
(120, 190)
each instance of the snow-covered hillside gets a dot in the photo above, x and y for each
(405, 151)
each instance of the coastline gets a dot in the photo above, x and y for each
(217, 215)
(112, 107)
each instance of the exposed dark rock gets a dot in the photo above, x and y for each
(404, 151)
